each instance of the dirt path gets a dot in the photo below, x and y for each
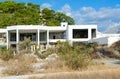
(108, 62)
(22, 76)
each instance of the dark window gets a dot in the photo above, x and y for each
(54, 37)
(32, 36)
(63, 25)
(93, 33)
(43, 36)
(12, 36)
(80, 33)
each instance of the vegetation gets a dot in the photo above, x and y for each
(20, 65)
(53, 18)
(25, 45)
(93, 72)
(13, 13)
(116, 46)
(6, 54)
(43, 55)
(19, 13)
(70, 58)
(75, 57)
(110, 74)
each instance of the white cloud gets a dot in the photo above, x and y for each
(46, 5)
(104, 17)
(114, 28)
(66, 9)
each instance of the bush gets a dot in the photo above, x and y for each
(45, 54)
(3, 47)
(6, 54)
(26, 44)
(20, 66)
(75, 57)
(116, 46)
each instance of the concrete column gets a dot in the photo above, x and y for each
(7, 38)
(70, 35)
(38, 38)
(47, 38)
(17, 39)
(89, 34)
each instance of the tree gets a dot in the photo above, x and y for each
(60, 16)
(19, 13)
(54, 18)
(35, 7)
(13, 13)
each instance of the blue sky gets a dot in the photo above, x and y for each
(104, 13)
(76, 4)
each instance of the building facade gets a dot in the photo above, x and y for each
(45, 36)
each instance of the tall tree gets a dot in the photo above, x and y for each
(19, 13)
(13, 13)
(54, 18)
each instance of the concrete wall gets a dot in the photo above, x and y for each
(106, 40)
(112, 40)
(102, 40)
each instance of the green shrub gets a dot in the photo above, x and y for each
(76, 56)
(2, 47)
(45, 54)
(25, 45)
(6, 54)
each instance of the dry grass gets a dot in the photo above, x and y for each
(57, 66)
(20, 66)
(93, 72)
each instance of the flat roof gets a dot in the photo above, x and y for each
(35, 27)
(51, 28)
(3, 30)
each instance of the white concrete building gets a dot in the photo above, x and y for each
(45, 36)
(107, 39)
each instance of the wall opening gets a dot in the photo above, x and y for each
(93, 33)
(57, 35)
(43, 36)
(32, 36)
(80, 33)
(12, 36)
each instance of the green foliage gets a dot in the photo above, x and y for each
(54, 18)
(2, 47)
(13, 13)
(6, 54)
(75, 57)
(19, 13)
(25, 44)
(44, 54)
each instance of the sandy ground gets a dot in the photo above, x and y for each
(22, 76)
(108, 62)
